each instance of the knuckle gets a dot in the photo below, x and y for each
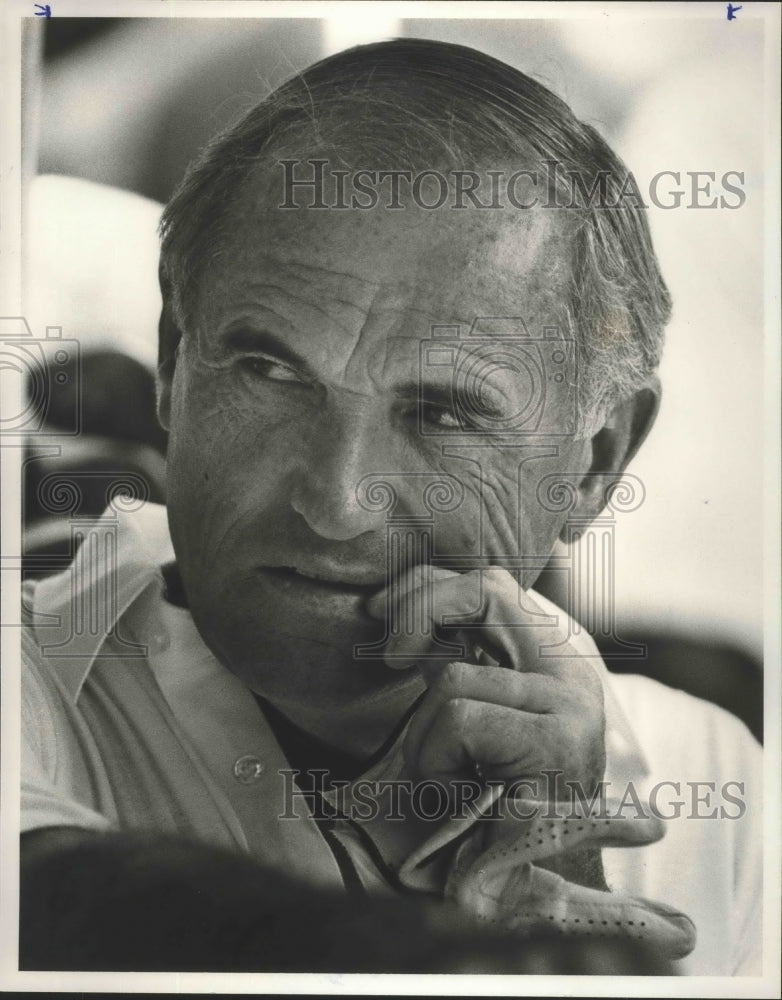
(451, 678)
(498, 580)
(458, 714)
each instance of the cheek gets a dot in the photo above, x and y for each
(227, 461)
(220, 432)
(501, 514)
(485, 521)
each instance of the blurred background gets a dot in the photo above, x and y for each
(115, 109)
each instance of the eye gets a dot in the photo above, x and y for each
(438, 415)
(270, 370)
(461, 417)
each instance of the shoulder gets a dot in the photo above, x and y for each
(676, 728)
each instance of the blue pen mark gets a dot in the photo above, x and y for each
(732, 11)
(43, 10)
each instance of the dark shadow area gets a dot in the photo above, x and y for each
(99, 438)
(150, 916)
(64, 35)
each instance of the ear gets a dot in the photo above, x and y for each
(169, 337)
(614, 445)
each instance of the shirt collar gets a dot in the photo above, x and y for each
(75, 611)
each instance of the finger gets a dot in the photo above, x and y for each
(551, 829)
(509, 623)
(413, 579)
(407, 604)
(417, 612)
(507, 742)
(529, 637)
(492, 685)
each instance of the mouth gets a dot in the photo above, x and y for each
(323, 581)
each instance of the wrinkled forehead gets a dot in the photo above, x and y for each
(514, 241)
(386, 274)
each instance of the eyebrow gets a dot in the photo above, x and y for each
(431, 392)
(440, 394)
(260, 340)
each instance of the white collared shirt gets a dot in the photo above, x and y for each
(130, 722)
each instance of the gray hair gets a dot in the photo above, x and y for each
(429, 102)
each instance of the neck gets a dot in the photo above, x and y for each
(309, 755)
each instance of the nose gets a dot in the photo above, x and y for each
(344, 448)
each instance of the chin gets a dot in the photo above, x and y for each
(282, 649)
(320, 673)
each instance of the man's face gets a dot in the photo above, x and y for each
(299, 388)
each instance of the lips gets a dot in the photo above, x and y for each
(323, 579)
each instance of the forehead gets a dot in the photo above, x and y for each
(386, 275)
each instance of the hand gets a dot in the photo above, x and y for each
(513, 712)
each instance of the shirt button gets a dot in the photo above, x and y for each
(248, 769)
(161, 642)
